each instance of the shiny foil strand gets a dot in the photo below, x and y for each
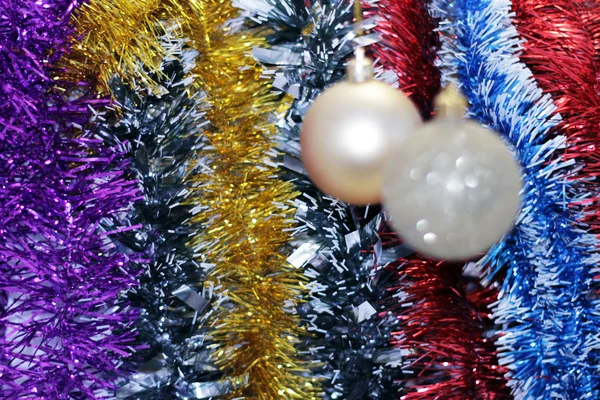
(545, 255)
(245, 215)
(444, 336)
(338, 246)
(163, 132)
(66, 326)
(561, 50)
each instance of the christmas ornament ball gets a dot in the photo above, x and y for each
(347, 134)
(452, 189)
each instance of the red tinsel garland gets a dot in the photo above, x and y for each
(588, 10)
(408, 46)
(562, 49)
(443, 317)
(445, 321)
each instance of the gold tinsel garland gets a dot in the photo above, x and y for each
(245, 209)
(124, 39)
(247, 213)
(118, 38)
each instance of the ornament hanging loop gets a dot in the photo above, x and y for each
(360, 68)
(358, 16)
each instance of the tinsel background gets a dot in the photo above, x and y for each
(161, 239)
(66, 319)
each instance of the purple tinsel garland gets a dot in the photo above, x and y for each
(64, 326)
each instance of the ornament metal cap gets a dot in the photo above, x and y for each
(450, 103)
(360, 68)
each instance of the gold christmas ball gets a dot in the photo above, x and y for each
(348, 133)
